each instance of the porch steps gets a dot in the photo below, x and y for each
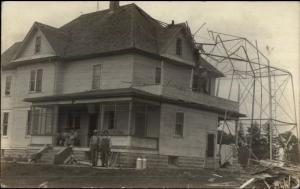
(48, 156)
(62, 155)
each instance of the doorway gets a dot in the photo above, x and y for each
(93, 125)
(210, 148)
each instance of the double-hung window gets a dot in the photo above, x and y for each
(8, 85)
(157, 75)
(178, 47)
(36, 79)
(96, 76)
(179, 124)
(37, 44)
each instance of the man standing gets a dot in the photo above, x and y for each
(94, 146)
(105, 148)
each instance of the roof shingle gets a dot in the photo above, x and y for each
(127, 27)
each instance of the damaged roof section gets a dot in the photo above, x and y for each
(108, 31)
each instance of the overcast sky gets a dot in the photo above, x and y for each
(275, 24)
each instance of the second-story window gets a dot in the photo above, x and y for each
(96, 76)
(32, 80)
(179, 124)
(8, 85)
(37, 44)
(36, 78)
(39, 77)
(157, 75)
(179, 47)
(195, 85)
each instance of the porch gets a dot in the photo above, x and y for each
(132, 124)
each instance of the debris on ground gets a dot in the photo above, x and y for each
(44, 185)
(274, 174)
(217, 175)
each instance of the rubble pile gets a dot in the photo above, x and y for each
(273, 175)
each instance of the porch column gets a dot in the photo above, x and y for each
(236, 132)
(55, 124)
(32, 109)
(101, 116)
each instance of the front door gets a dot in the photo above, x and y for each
(140, 124)
(93, 123)
(210, 149)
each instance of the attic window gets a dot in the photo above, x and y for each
(179, 47)
(38, 44)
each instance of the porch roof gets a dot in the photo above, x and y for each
(129, 92)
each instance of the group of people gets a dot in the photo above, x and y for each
(100, 142)
(68, 139)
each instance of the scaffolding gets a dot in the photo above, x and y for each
(265, 93)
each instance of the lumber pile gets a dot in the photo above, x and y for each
(273, 175)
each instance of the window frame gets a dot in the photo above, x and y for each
(158, 75)
(39, 80)
(38, 43)
(36, 80)
(178, 123)
(179, 46)
(5, 124)
(29, 122)
(32, 81)
(7, 91)
(214, 145)
(96, 79)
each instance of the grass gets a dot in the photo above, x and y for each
(32, 175)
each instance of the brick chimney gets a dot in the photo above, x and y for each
(113, 5)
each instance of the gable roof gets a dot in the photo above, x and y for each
(105, 31)
(8, 55)
(127, 27)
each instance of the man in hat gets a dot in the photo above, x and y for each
(94, 146)
(105, 148)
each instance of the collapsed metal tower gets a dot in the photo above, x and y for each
(261, 89)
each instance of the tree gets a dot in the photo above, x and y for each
(226, 138)
(291, 149)
(275, 143)
(259, 142)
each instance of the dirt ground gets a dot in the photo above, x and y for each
(32, 175)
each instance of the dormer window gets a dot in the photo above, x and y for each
(37, 44)
(178, 47)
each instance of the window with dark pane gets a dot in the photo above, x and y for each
(37, 44)
(8, 85)
(179, 47)
(5, 123)
(39, 76)
(29, 116)
(96, 77)
(32, 80)
(157, 75)
(179, 124)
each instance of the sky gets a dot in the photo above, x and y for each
(273, 24)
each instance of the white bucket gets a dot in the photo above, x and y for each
(139, 163)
